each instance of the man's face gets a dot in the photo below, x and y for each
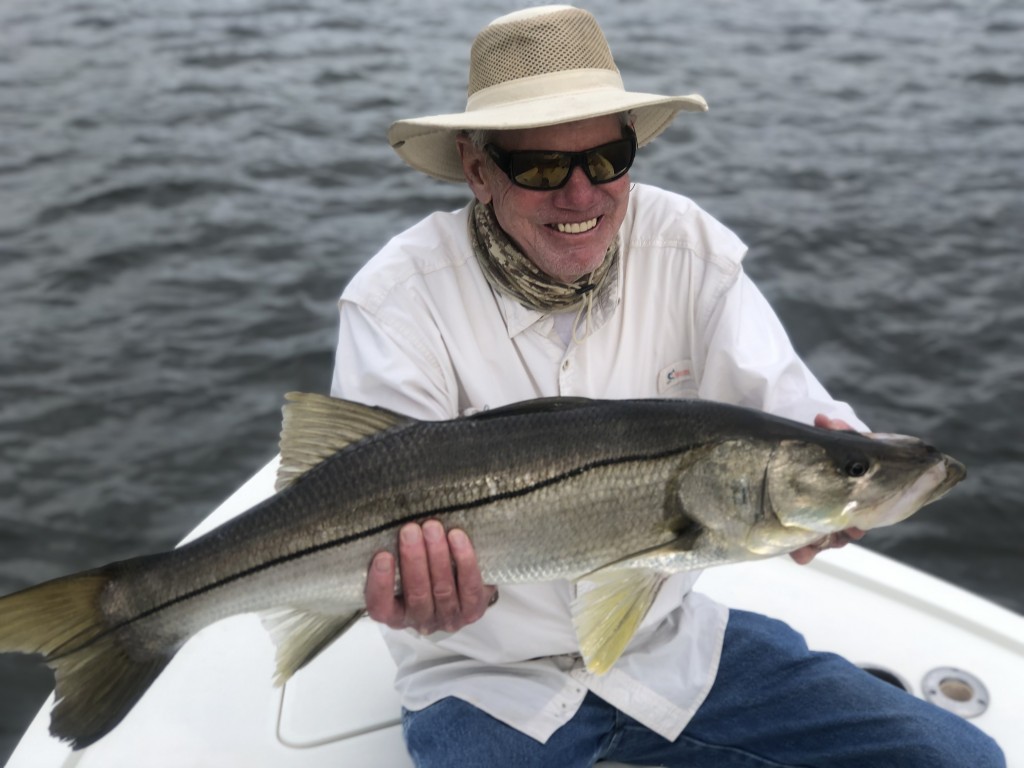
(565, 232)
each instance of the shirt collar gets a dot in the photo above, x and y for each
(519, 318)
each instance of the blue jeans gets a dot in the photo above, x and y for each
(774, 704)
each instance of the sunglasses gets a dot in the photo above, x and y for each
(549, 169)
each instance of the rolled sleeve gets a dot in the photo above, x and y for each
(750, 361)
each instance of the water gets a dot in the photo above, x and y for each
(185, 188)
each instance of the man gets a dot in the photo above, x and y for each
(564, 278)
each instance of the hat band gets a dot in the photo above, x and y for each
(569, 82)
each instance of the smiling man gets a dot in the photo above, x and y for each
(566, 228)
(563, 277)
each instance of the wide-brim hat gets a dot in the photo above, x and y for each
(532, 68)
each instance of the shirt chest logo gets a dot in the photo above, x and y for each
(678, 374)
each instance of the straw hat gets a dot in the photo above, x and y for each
(536, 67)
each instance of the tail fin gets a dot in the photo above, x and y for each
(98, 680)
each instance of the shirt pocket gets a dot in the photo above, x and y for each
(677, 380)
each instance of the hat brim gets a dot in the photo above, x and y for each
(428, 143)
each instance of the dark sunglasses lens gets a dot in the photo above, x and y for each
(551, 170)
(540, 170)
(610, 161)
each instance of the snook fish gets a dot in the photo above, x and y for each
(619, 493)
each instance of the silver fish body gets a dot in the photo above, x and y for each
(622, 493)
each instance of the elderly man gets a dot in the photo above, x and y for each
(562, 277)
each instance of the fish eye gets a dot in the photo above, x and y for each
(856, 468)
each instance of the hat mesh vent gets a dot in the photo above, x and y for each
(538, 45)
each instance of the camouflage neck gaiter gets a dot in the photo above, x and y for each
(508, 270)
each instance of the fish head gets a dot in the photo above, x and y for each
(843, 480)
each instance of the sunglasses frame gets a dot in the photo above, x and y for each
(505, 158)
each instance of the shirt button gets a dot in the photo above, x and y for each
(565, 365)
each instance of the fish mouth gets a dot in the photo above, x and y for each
(955, 472)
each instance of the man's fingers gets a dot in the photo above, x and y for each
(381, 603)
(825, 422)
(836, 540)
(441, 583)
(444, 595)
(804, 555)
(414, 566)
(474, 595)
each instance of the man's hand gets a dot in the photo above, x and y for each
(442, 588)
(804, 555)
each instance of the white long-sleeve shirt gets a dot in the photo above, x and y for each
(423, 333)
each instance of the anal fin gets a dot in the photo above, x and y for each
(300, 635)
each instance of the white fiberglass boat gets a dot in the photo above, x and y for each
(215, 705)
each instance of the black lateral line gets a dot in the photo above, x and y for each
(343, 540)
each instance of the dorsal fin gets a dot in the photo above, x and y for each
(316, 427)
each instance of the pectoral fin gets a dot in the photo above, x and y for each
(301, 635)
(607, 614)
